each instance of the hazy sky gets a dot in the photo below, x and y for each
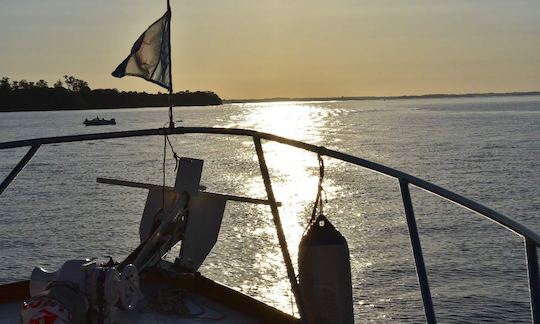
(293, 48)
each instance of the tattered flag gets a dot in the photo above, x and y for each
(150, 56)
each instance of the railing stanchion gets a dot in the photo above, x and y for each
(417, 252)
(534, 280)
(18, 168)
(279, 228)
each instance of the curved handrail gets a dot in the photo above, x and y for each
(425, 185)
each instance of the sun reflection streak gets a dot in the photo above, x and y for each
(298, 120)
(294, 175)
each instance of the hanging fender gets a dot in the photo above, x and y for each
(325, 274)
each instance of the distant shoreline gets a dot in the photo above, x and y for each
(75, 94)
(104, 100)
(426, 96)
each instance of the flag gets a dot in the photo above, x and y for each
(150, 56)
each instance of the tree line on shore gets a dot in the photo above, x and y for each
(73, 93)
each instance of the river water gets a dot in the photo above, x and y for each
(487, 149)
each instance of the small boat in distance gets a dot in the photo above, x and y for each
(99, 121)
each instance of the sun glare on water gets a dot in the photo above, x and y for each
(294, 176)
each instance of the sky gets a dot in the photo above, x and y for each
(283, 48)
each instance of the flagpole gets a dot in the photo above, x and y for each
(171, 121)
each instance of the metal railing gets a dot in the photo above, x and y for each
(531, 238)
